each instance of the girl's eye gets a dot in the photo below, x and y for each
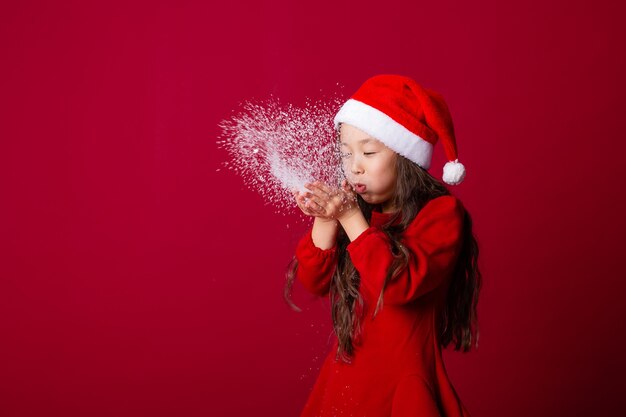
(369, 153)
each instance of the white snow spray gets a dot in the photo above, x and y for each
(277, 148)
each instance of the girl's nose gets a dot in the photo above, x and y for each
(356, 167)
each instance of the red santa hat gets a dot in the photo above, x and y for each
(406, 117)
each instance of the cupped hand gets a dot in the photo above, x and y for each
(306, 206)
(327, 202)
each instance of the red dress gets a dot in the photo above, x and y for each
(398, 368)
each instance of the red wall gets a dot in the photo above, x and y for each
(136, 279)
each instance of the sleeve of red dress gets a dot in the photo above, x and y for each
(433, 239)
(315, 265)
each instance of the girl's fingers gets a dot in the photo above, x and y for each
(324, 201)
(304, 197)
(310, 207)
(307, 201)
(304, 206)
(320, 200)
(319, 188)
(312, 188)
(302, 203)
(325, 188)
(315, 205)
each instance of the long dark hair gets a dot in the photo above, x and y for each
(458, 323)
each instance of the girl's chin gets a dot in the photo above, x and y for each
(370, 199)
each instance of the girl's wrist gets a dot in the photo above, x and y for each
(348, 214)
(324, 232)
(354, 223)
(324, 220)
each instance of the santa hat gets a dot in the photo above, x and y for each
(406, 117)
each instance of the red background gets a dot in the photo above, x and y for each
(136, 279)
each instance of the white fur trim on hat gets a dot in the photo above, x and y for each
(382, 127)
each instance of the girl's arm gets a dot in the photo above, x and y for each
(316, 251)
(433, 239)
(324, 232)
(317, 257)
(354, 223)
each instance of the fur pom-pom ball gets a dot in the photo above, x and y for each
(453, 172)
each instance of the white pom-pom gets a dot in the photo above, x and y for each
(453, 172)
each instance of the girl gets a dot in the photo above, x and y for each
(395, 253)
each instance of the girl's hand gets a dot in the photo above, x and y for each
(328, 203)
(306, 206)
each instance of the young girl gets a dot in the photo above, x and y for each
(394, 252)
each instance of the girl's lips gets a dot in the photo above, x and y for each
(360, 188)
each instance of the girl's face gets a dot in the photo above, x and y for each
(369, 165)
